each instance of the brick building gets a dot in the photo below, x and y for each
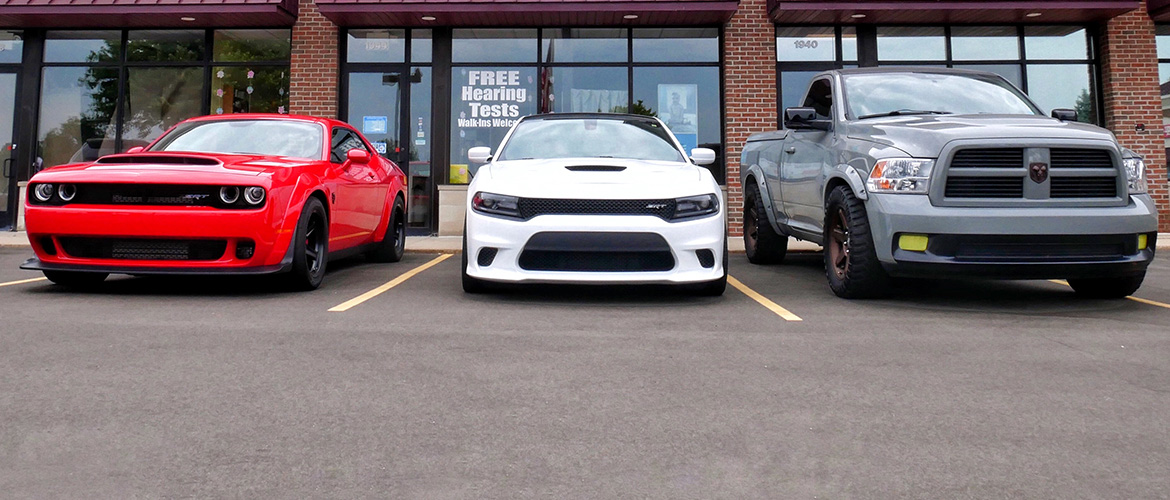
(426, 80)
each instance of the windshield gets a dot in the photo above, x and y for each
(590, 138)
(253, 137)
(886, 94)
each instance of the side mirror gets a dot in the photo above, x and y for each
(804, 119)
(135, 149)
(702, 156)
(479, 154)
(1065, 115)
(358, 156)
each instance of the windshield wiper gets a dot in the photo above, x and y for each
(905, 112)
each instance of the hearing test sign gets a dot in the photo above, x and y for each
(492, 98)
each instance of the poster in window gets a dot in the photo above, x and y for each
(678, 107)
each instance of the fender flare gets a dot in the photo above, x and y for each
(756, 173)
(851, 177)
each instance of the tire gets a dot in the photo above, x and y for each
(851, 263)
(1118, 287)
(470, 284)
(74, 278)
(393, 245)
(715, 288)
(760, 241)
(311, 247)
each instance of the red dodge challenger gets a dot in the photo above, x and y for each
(239, 194)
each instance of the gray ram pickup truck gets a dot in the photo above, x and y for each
(922, 172)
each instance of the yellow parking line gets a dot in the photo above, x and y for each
(1131, 297)
(772, 306)
(349, 304)
(21, 282)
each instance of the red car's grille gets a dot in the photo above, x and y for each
(143, 249)
(172, 195)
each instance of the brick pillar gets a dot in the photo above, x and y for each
(314, 73)
(1129, 78)
(749, 80)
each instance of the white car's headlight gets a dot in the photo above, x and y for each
(695, 206)
(1135, 172)
(496, 204)
(900, 175)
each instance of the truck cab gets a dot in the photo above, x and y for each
(940, 172)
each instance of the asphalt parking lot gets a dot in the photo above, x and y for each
(195, 388)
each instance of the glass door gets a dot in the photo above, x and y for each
(378, 107)
(7, 148)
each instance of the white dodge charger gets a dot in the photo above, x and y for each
(594, 198)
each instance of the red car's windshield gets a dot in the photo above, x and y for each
(253, 137)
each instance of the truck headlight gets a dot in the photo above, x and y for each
(900, 175)
(496, 204)
(1135, 173)
(695, 206)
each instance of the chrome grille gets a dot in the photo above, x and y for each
(533, 207)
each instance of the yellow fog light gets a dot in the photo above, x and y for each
(913, 242)
(1143, 240)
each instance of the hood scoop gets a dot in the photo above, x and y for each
(159, 159)
(595, 168)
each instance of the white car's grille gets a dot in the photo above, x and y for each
(533, 207)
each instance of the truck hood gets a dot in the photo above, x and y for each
(924, 136)
(592, 178)
(179, 168)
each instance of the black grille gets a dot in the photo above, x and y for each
(596, 252)
(706, 258)
(1033, 248)
(1084, 187)
(487, 255)
(532, 207)
(1080, 158)
(153, 195)
(988, 158)
(143, 249)
(985, 187)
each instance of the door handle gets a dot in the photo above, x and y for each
(790, 150)
(7, 168)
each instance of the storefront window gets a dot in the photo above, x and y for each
(249, 89)
(676, 45)
(1056, 42)
(1056, 67)
(11, 47)
(158, 98)
(585, 45)
(77, 115)
(1163, 38)
(376, 46)
(911, 43)
(165, 46)
(252, 45)
(586, 89)
(985, 43)
(806, 43)
(419, 178)
(485, 102)
(83, 46)
(420, 46)
(493, 45)
(688, 100)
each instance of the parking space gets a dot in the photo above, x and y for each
(226, 388)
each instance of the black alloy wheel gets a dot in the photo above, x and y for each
(393, 245)
(311, 247)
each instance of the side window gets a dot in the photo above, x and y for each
(820, 98)
(343, 141)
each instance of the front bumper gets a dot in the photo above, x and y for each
(687, 242)
(1025, 243)
(50, 228)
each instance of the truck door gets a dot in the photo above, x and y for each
(807, 152)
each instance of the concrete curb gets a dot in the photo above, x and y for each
(454, 244)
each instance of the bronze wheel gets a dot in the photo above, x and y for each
(839, 242)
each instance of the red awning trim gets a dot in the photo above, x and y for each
(139, 14)
(953, 11)
(527, 13)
